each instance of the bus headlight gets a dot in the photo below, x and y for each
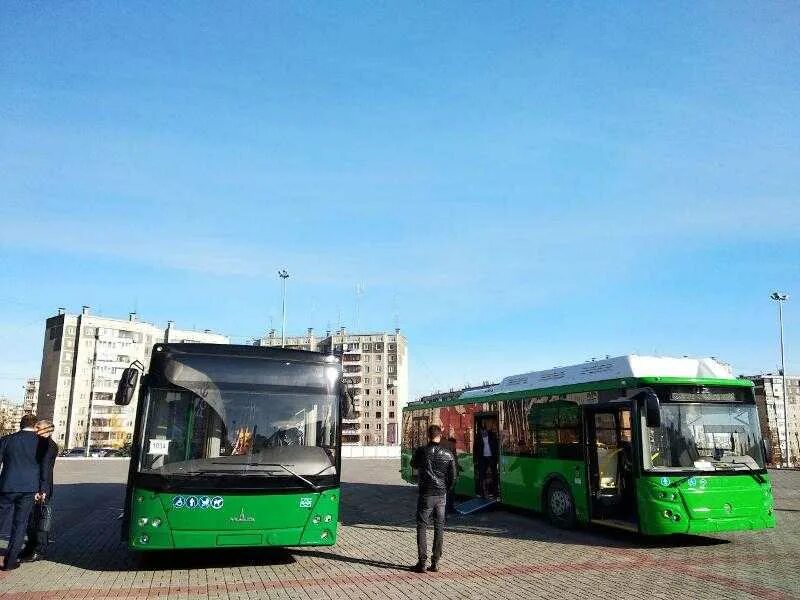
(328, 518)
(156, 523)
(316, 520)
(144, 539)
(143, 521)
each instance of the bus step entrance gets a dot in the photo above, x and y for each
(475, 505)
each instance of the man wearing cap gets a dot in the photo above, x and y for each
(42, 515)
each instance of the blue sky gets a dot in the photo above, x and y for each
(519, 185)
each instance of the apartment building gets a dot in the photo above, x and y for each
(769, 401)
(31, 398)
(83, 357)
(375, 370)
(10, 414)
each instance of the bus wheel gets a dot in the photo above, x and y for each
(559, 505)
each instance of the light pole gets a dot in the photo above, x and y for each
(284, 275)
(780, 298)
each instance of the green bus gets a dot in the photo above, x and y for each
(655, 445)
(233, 446)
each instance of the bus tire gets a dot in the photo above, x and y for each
(559, 505)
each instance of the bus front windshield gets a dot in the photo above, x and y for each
(270, 431)
(704, 437)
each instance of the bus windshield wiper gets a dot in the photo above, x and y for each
(733, 465)
(313, 486)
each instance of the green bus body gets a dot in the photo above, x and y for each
(296, 519)
(222, 437)
(665, 503)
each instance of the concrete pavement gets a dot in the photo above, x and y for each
(496, 555)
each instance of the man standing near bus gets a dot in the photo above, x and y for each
(436, 468)
(21, 484)
(41, 519)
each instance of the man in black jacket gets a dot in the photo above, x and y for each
(436, 474)
(42, 515)
(22, 482)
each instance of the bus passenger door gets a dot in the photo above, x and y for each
(609, 463)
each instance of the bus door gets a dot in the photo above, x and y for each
(486, 454)
(609, 462)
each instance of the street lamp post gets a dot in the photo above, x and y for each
(780, 298)
(284, 275)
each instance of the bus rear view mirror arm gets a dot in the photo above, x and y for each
(652, 407)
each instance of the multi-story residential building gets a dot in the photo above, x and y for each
(82, 360)
(10, 415)
(769, 401)
(31, 398)
(375, 370)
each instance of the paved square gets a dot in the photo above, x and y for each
(491, 556)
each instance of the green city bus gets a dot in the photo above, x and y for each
(233, 446)
(655, 445)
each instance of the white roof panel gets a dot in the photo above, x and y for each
(619, 367)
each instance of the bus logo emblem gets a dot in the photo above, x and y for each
(305, 502)
(242, 518)
(178, 502)
(191, 502)
(217, 502)
(665, 481)
(205, 501)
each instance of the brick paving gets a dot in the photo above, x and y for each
(491, 556)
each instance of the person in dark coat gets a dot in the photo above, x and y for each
(22, 482)
(436, 468)
(487, 450)
(42, 515)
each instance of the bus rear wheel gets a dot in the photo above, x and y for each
(559, 505)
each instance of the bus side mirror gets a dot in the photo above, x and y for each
(347, 404)
(652, 408)
(127, 386)
(766, 452)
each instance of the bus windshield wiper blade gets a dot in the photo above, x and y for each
(310, 484)
(754, 472)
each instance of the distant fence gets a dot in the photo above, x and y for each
(370, 451)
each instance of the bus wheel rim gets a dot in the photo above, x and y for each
(559, 502)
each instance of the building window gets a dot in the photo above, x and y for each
(366, 414)
(366, 425)
(377, 415)
(378, 426)
(391, 416)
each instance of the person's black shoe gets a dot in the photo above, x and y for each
(11, 567)
(434, 568)
(419, 567)
(32, 557)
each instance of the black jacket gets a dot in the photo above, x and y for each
(22, 472)
(494, 446)
(436, 470)
(46, 454)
